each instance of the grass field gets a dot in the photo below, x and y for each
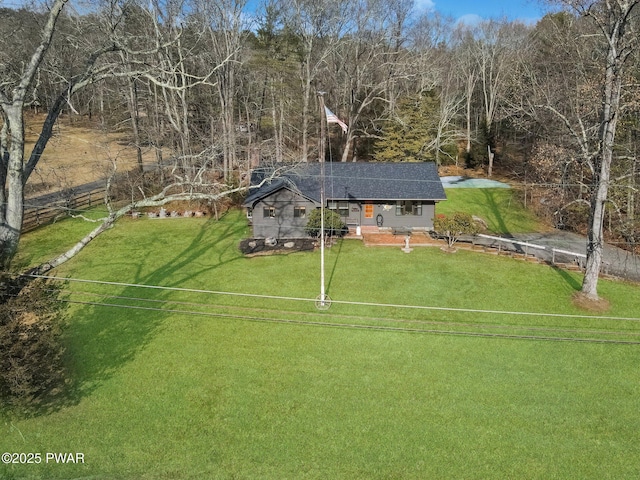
(501, 208)
(206, 385)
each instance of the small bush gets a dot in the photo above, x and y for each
(333, 224)
(455, 225)
(31, 351)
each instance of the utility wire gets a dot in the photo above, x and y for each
(341, 302)
(344, 316)
(371, 327)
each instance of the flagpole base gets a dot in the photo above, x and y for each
(323, 302)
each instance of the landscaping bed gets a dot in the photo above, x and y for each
(257, 246)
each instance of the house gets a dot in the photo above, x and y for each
(373, 196)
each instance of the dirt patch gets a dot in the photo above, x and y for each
(452, 170)
(389, 239)
(77, 154)
(595, 305)
(29, 318)
(383, 239)
(258, 246)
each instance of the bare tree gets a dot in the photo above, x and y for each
(226, 28)
(616, 25)
(447, 133)
(102, 60)
(366, 61)
(495, 45)
(14, 171)
(468, 67)
(202, 188)
(318, 25)
(438, 72)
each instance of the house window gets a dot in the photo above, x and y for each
(269, 212)
(408, 207)
(342, 208)
(299, 212)
(249, 212)
(368, 210)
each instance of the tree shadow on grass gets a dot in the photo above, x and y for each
(568, 278)
(114, 324)
(490, 201)
(335, 264)
(201, 256)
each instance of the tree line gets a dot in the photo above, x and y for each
(213, 88)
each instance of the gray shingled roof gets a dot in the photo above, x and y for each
(354, 181)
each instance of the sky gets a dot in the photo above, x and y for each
(471, 11)
(466, 11)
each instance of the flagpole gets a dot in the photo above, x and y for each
(322, 303)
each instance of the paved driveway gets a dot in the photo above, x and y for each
(616, 261)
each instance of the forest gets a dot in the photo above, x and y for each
(213, 87)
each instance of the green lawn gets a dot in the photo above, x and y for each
(501, 208)
(271, 388)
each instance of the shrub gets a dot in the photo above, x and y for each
(333, 224)
(31, 351)
(453, 226)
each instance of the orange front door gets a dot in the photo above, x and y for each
(368, 210)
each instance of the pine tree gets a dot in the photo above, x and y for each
(406, 139)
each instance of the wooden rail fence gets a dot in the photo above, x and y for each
(35, 216)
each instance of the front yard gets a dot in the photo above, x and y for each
(188, 381)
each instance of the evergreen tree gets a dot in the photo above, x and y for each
(408, 137)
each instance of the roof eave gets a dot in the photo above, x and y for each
(259, 198)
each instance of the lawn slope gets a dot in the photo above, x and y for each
(501, 208)
(206, 385)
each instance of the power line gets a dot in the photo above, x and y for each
(459, 329)
(341, 302)
(344, 316)
(371, 327)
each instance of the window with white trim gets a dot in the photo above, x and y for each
(408, 207)
(299, 212)
(342, 208)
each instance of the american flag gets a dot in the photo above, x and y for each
(333, 118)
